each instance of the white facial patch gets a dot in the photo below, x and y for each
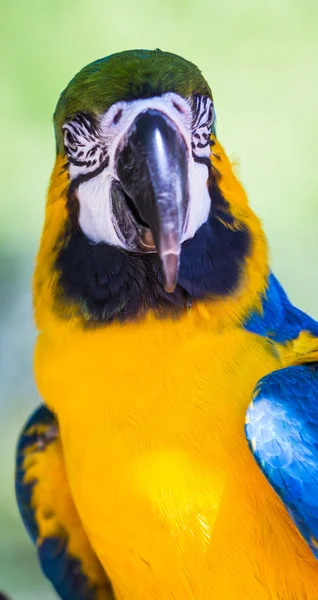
(93, 147)
(83, 145)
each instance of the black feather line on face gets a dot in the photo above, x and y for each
(72, 200)
(106, 282)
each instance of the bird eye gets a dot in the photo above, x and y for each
(177, 107)
(117, 116)
(70, 140)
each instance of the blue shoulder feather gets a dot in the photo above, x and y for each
(279, 320)
(282, 419)
(282, 432)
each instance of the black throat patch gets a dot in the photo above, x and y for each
(106, 282)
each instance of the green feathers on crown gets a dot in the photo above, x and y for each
(127, 76)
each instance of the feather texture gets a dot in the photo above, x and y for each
(282, 430)
(49, 514)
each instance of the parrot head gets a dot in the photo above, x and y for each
(146, 223)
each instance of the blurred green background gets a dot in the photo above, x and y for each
(261, 60)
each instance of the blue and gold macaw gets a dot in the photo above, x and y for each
(176, 453)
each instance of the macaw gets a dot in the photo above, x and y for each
(175, 455)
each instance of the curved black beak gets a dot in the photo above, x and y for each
(152, 167)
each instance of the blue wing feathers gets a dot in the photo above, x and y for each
(63, 570)
(279, 319)
(29, 438)
(282, 431)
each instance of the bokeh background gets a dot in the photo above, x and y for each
(261, 59)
